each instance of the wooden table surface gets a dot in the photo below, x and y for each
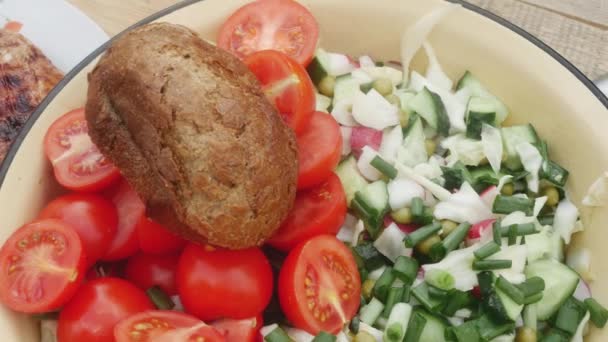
(578, 29)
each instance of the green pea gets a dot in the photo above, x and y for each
(363, 336)
(507, 189)
(425, 246)
(525, 334)
(393, 99)
(326, 86)
(447, 226)
(552, 196)
(430, 146)
(384, 86)
(403, 215)
(367, 288)
(404, 117)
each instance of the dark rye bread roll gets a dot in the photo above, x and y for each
(191, 130)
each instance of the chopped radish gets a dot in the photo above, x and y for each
(406, 228)
(582, 291)
(477, 230)
(364, 136)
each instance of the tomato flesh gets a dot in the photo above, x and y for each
(234, 283)
(286, 84)
(41, 264)
(165, 326)
(97, 307)
(318, 210)
(282, 25)
(147, 270)
(319, 285)
(93, 217)
(130, 209)
(77, 163)
(156, 239)
(319, 150)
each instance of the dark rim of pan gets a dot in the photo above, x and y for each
(68, 77)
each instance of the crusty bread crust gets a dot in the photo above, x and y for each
(191, 130)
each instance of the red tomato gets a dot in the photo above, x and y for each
(77, 163)
(319, 285)
(242, 330)
(157, 326)
(282, 25)
(235, 283)
(42, 265)
(99, 304)
(319, 150)
(93, 217)
(106, 269)
(316, 211)
(130, 209)
(147, 270)
(156, 239)
(286, 84)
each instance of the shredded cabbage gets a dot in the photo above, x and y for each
(401, 192)
(436, 189)
(364, 166)
(518, 255)
(468, 151)
(597, 195)
(459, 263)
(434, 72)
(342, 112)
(564, 221)
(532, 161)
(491, 140)
(390, 243)
(374, 111)
(464, 205)
(298, 335)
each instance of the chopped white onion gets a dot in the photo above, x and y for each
(390, 243)
(298, 335)
(464, 205)
(564, 221)
(266, 330)
(366, 169)
(532, 161)
(468, 151)
(342, 112)
(437, 190)
(374, 111)
(392, 138)
(366, 61)
(491, 140)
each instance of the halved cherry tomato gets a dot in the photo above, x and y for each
(233, 283)
(318, 210)
(286, 84)
(158, 326)
(93, 217)
(156, 239)
(239, 330)
(130, 209)
(42, 264)
(319, 285)
(282, 25)
(319, 150)
(77, 163)
(147, 270)
(97, 307)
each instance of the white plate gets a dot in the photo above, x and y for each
(62, 32)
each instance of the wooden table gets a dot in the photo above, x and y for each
(578, 29)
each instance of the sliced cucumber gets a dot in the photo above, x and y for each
(513, 136)
(480, 110)
(560, 283)
(352, 181)
(468, 81)
(434, 329)
(371, 203)
(501, 305)
(322, 102)
(317, 69)
(345, 89)
(405, 97)
(413, 150)
(431, 108)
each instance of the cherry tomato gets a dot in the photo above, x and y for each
(319, 150)
(147, 270)
(319, 285)
(286, 84)
(157, 326)
(130, 209)
(239, 330)
(93, 217)
(156, 239)
(282, 25)
(77, 163)
(316, 211)
(235, 283)
(99, 304)
(42, 264)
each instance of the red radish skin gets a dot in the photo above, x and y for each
(406, 228)
(364, 136)
(477, 229)
(583, 291)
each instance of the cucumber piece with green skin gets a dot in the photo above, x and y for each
(429, 105)
(413, 150)
(371, 203)
(345, 88)
(513, 136)
(477, 89)
(434, 329)
(352, 181)
(502, 306)
(560, 283)
(479, 111)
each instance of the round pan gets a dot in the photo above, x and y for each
(537, 83)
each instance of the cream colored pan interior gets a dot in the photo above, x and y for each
(536, 87)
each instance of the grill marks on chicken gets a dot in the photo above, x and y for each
(26, 77)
